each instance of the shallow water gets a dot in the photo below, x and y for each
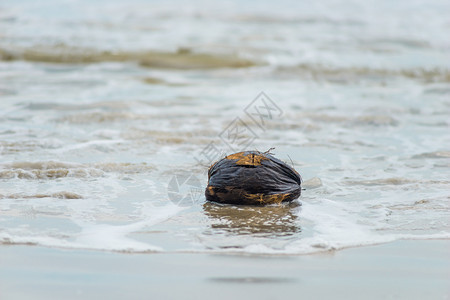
(111, 113)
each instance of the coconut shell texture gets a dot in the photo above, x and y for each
(252, 178)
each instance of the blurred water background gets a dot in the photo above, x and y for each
(112, 111)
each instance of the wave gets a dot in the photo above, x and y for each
(113, 239)
(263, 19)
(103, 117)
(309, 121)
(316, 245)
(101, 105)
(393, 181)
(323, 226)
(436, 154)
(59, 195)
(102, 237)
(357, 74)
(181, 59)
(54, 169)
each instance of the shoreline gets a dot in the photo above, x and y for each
(404, 269)
(230, 251)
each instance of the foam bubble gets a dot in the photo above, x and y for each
(96, 236)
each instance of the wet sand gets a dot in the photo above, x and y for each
(399, 270)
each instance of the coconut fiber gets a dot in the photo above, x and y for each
(252, 178)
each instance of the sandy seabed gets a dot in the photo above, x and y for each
(413, 269)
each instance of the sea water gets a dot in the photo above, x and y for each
(111, 113)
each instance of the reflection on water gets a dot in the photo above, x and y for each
(262, 221)
(252, 280)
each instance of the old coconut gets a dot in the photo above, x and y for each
(252, 178)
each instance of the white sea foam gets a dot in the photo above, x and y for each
(96, 236)
(98, 144)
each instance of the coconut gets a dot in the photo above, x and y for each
(252, 178)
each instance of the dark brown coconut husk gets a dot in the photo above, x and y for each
(252, 178)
